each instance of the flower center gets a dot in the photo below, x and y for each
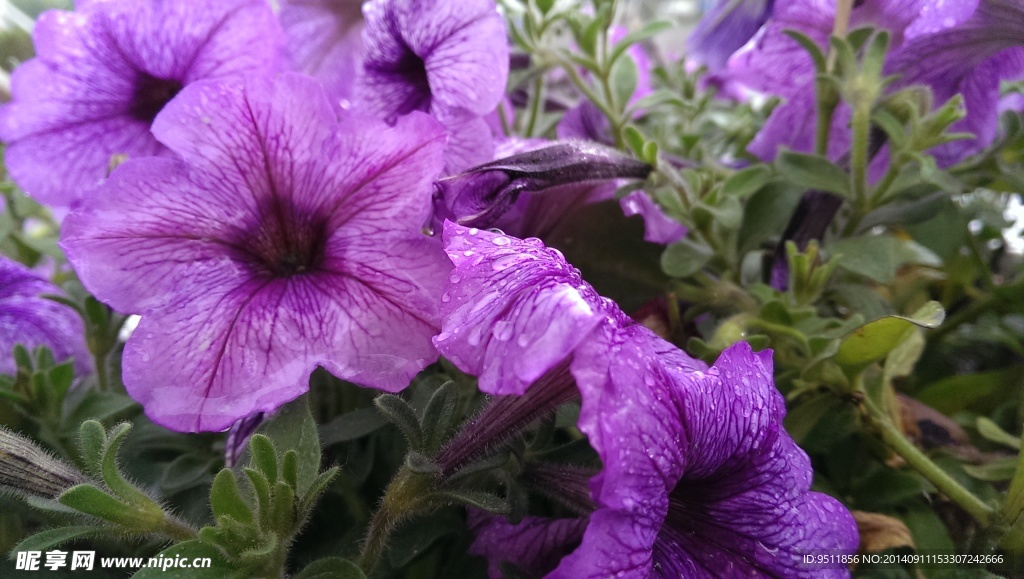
(151, 94)
(285, 245)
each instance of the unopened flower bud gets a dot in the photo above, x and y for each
(479, 196)
(27, 469)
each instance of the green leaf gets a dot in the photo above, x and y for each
(982, 391)
(623, 78)
(747, 182)
(727, 212)
(470, 498)
(873, 256)
(439, 415)
(92, 437)
(766, 214)
(352, 425)
(294, 428)
(50, 538)
(290, 469)
(226, 499)
(635, 139)
(264, 456)
(93, 501)
(333, 567)
(415, 537)
(544, 5)
(991, 431)
(283, 514)
(995, 471)
(649, 30)
(186, 471)
(112, 475)
(874, 340)
(813, 172)
(261, 489)
(399, 413)
(812, 48)
(685, 258)
(220, 567)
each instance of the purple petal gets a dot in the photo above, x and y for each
(27, 318)
(102, 73)
(512, 308)
(449, 58)
(658, 227)
(726, 27)
(325, 42)
(535, 545)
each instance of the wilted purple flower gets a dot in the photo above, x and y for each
(968, 56)
(282, 240)
(29, 319)
(481, 195)
(448, 58)
(103, 72)
(725, 28)
(776, 64)
(325, 41)
(698, 478)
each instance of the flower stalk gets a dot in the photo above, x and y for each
(880, 422)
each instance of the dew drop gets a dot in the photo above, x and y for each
(500, 241)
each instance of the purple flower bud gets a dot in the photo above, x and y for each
(481, 195)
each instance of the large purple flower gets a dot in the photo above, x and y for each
(698, 479)
(448, 58)
(103, 72)
(29, 319)
(969, 57)
(325, 41)
(281, 240)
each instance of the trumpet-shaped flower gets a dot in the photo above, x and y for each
(447, 58)
(29, 319)
(282, 239)
(699, 478)
(104, 72)
(725, 28)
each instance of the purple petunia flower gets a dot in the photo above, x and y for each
(325, 41)
(725, 28)
(29, 319)
(699, 478)
(952, 54)
(103, 72)
(281, 240)
(448, 58)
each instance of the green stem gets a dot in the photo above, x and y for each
(401, 499)
(861, 125)
(877, 418)
(100, 361)
(535, 104)
(1014, 504)
(177, 530)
